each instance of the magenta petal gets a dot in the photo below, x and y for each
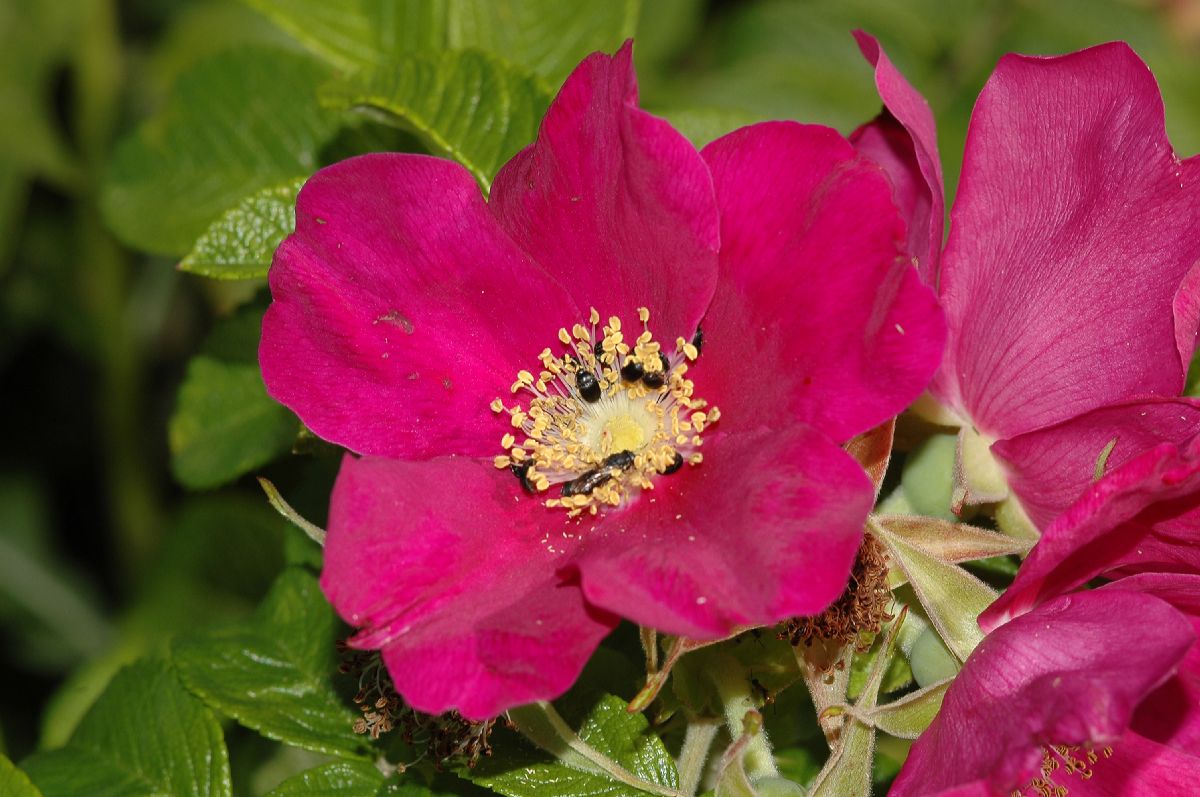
(764, 529)
(1171, 715)
(1068, 673)
(1134, 767)
(441, 564)
(615, 203)
(1074, 226)
(818, 308)
(1050, 468)
(1187, 315)
(903, 140)
(401, 310)
(1143, 516)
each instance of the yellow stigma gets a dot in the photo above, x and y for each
(604, 418)
(622, 433)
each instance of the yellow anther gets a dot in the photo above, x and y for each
(558, 437)
(690, 351)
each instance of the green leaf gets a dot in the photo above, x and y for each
(274, 673)
(14, 782)
(909, 716)
(240, 243)
(145, 736)
(236, 123)
(608, 729)
(225, 424)
(338, 779)
(357, 33)
(949, 541)
(952, 597)
(465, 105)
(548, 36)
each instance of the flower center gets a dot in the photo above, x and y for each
(605, 417)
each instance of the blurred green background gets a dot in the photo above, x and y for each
(103, 551)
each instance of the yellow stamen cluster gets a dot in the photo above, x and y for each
(604, 417)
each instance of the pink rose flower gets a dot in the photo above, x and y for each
(1097, 692)
(1071, 277)
(529, 468)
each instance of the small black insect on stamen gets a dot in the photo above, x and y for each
(622, 460)
(657, 379)
(698, 340)
(598, 350)
(675, 465)
(588, 386)
(590, 480)
(631, 371)
(521, 471)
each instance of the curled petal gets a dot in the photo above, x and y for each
(765, 528)
(1073, 229)
(444, 566)
(1143, 516)
(824, 315)
(401, 309)
(614, 202)
(903, 140)
(1050, 468)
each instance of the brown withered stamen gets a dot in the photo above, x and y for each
(859, 614)
(444, 738)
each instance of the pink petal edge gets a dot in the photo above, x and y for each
(442, 564)
(903, 140)
(615, 203)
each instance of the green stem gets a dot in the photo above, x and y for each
(104, 282)
(738, 698)
(697, 741)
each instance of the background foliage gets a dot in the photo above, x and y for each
(149, 154)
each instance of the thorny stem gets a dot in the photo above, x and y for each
(542, 725)
(738, 697)
(697, 741)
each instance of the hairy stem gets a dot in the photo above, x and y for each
(737, 695)
(697, 741)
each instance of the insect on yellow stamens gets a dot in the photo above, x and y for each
(602, 420)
